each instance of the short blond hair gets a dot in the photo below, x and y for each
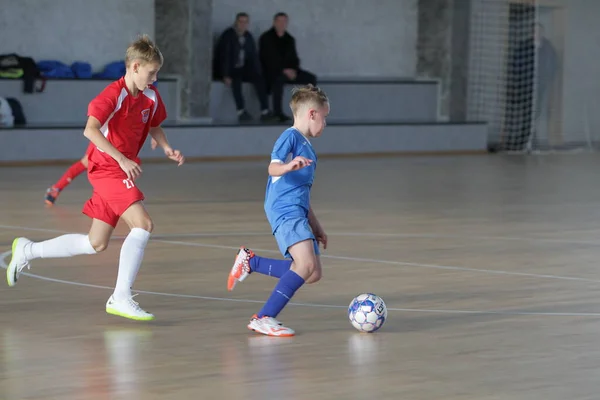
(144, 50)
(307, 95)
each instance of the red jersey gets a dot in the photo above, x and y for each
(126, 121)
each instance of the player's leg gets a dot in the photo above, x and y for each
(304, 77)
(121, 302)
(69, 245)
(238, 97)
(246, 262)
(317, 273)
(277, 95)
(295, 239)
(302, 268)
(305, 266)
(251, 75)
(70, 174)
(132, 251)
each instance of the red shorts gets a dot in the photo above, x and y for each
(111, 198)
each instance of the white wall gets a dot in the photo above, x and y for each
(581, 70)
(338, 38)
(97, 31)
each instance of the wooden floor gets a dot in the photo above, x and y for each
(488, 265)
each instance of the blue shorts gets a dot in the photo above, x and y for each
(292, 231)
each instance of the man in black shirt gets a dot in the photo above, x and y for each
(236, 61)
(280, 62)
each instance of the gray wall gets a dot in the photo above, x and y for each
(98, 32)
(183, 32)
(339, 37)
(335, 38)
(434, 50)
(581, 70)
(443, 52)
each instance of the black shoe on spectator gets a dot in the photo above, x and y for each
(244, 117)
(267, 116)
(283, 118)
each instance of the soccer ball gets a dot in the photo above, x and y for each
(367, 312)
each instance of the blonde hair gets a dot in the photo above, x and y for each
(143, 49)
(307, 95)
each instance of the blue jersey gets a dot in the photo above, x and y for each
(288, 196)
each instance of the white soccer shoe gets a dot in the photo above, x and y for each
(269, 326)
(241, 268)
(18, 261)
(127, 308)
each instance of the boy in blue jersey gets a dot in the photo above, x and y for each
(287, 205)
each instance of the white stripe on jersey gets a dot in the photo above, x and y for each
(151, 94)
(104, 128)
(287, 160)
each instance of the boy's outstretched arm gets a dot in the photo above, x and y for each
(159, 135)
(279, 168)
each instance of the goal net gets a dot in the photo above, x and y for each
(515, 79)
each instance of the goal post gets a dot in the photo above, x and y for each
(514, 72)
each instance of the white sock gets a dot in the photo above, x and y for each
(69, 245)
(130, 260)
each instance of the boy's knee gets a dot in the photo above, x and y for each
(315, 276)
(99, 245)
(305, 269)
(148, 225)
(137, 217)
(145, 224)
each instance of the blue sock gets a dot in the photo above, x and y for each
(283, 292)
(269, 266)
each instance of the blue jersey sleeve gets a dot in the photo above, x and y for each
(283, 147)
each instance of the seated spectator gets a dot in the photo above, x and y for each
(237, 61)
(280, 62)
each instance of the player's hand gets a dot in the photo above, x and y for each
(290, 73)
(153, 144)
(321, 237)
(175, 155)
(131, 168)
(227, 80)
(298, 163)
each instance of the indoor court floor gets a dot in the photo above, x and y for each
(489, 266)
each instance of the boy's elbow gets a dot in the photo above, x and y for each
(274, 169)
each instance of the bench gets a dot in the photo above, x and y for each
(367, 100)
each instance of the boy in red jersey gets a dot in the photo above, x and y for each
(119, 121)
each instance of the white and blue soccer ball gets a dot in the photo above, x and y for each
(367, 312)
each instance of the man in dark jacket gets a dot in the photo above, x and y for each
(280, 62)
(237, 61)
